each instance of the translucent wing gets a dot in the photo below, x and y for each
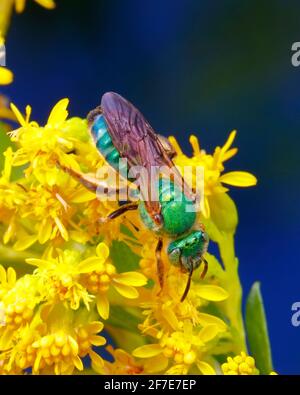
(136, 141)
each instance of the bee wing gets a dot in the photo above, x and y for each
(136, 141)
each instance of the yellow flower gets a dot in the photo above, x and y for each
(240, 365)
(123, 363)
(61, 352)
(59, 275)
(6, 76)
(7, 280)
(40, 145)
(49, 316)
(51, 211)
(99, 281)
(184, 348)
(48, 204)
(213, 166)
(18, 305)
(6, 9)
(166, 312)
(22, 355)
(20, 4)
(54, 342)
(110, 230)
(69, 338)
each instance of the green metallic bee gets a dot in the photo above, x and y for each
(120, 131)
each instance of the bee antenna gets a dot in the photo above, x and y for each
(188, 284)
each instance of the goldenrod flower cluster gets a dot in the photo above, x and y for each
(67, 278)
(65, 285)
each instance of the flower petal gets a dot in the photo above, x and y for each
(195, 145)
(45, 231)
(82, 196)
(205, 368)
(134, 279)
(205, 319)
(2, 275)
(103, 306)
(102, 251)
(6, 76)
(239, 179)
(126, 291)
(59, 112)
(208, 333)
(37, 361)
(18, 114)
(229, 154)
(156, 364)
(63, 231)
(170, 316)
(25, 242)
(205, 207)
(96, 359)
(97, 340)
(175, 145)
(11, 276)
(147, 351)
(49, 4)
(229, 141)
(74, 345)
(95, 327)
(37, 262)
(211, 292)
(78, 363)
(90, 264)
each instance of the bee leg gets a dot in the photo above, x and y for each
(205, 268)
(90, 182)
(121, 210)
(159, 263)
(188, 284)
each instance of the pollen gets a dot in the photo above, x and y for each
(58, 350)
(99, 281)
(180, 352)
(17, 314)
(240, 365)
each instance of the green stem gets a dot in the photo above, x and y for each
(233, 305)
(16, 259)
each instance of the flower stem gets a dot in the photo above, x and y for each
(233, 305)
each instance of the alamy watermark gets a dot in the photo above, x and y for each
(2, 55)
(152, 183)
(295, 320)
(295, 59)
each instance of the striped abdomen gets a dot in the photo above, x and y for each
(104, 142)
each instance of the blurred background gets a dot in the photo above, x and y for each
(192, 66)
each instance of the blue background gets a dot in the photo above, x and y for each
(205, 67)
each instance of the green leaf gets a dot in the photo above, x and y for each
(123, 318)
(123, 257)
(257, 330)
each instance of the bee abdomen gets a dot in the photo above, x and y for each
(104, 142)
